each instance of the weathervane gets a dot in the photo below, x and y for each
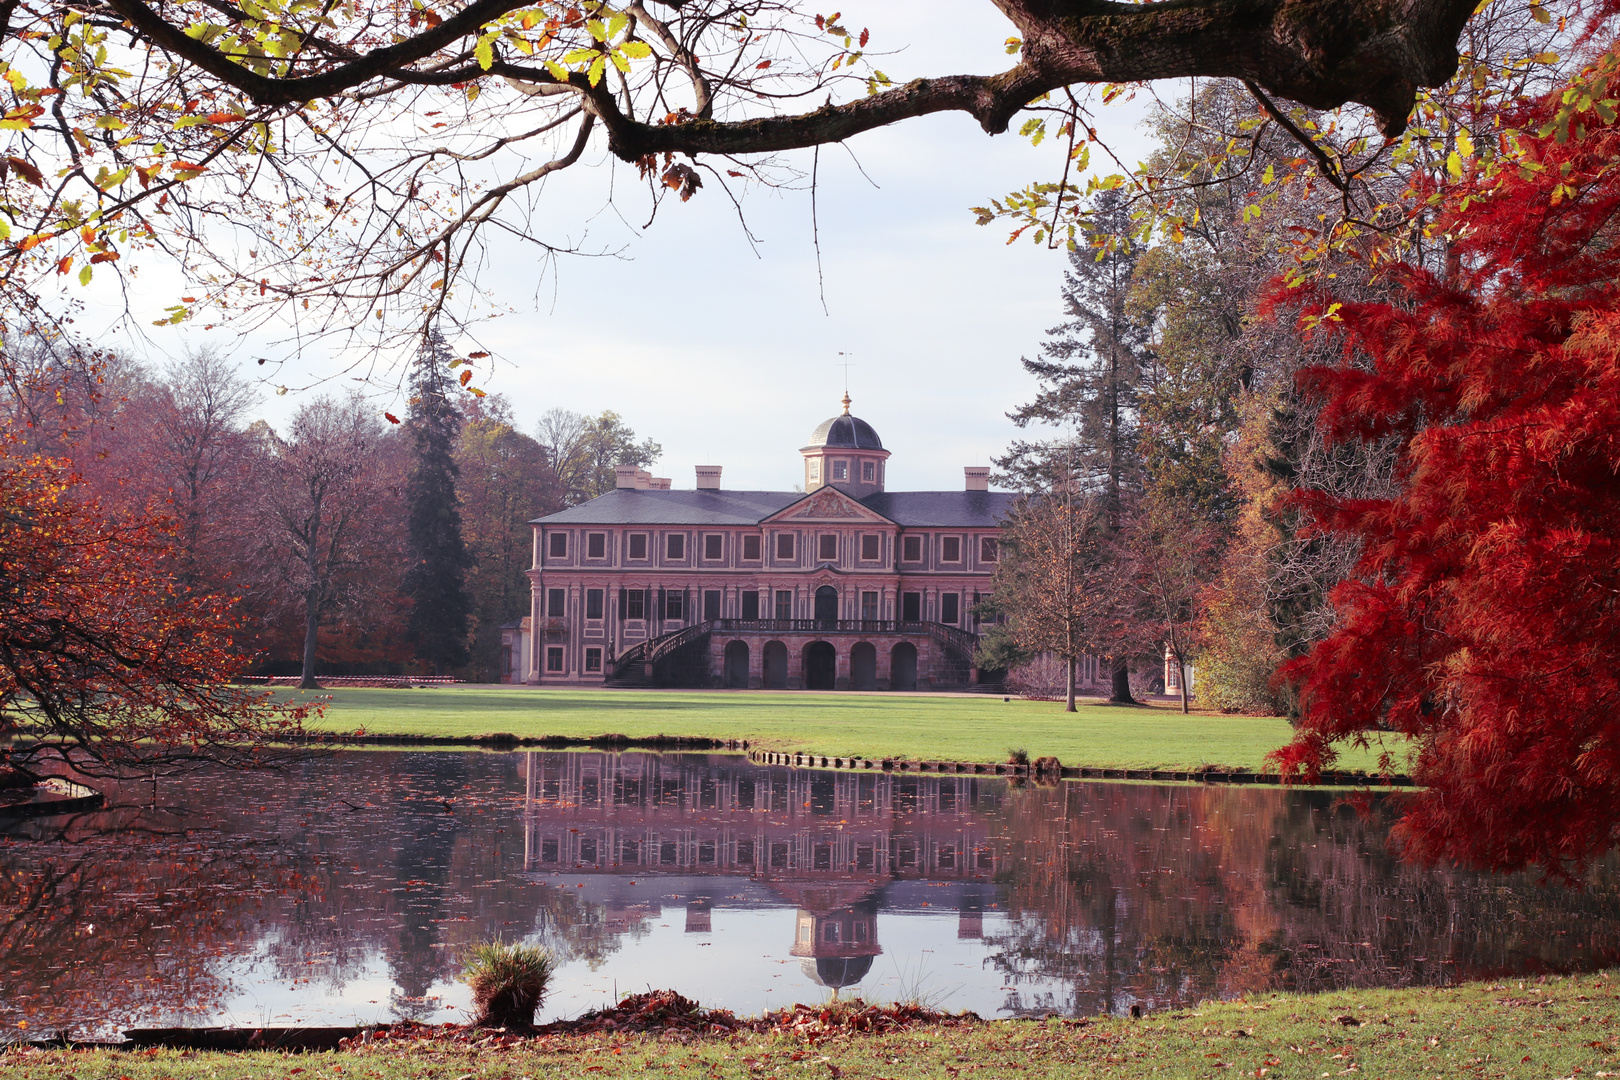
(845, 366)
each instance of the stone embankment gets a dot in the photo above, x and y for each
(1048, 768)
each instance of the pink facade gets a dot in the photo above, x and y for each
(844, 586)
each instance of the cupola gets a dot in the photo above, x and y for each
(846, 453)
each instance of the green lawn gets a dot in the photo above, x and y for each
(1561, 1028)
(967, 728)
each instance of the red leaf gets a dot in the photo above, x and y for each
(390, 417)
(25, 169)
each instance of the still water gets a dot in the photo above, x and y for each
(345, 890)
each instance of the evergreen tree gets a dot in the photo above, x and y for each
(1091, 370)
(436, 577)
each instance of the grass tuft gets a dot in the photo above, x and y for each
(508, 982)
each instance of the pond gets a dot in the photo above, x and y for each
(345, 890)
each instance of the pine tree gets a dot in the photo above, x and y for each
(436, 578)
(1090, 372)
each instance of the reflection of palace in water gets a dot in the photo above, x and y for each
(836, 845)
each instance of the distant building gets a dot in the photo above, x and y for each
(845, 585)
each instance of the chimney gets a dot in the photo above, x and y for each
(624, 476)
(708, 477)
(978, 477)
(658, 483)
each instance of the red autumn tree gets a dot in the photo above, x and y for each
(1483, 618)
(107, 662)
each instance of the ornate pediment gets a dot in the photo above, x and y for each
(828, 504)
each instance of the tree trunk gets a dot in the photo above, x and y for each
(1122, 685)
(1068, 685)
(312, 618)
(1181, 681)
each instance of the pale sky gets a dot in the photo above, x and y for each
(720, 350)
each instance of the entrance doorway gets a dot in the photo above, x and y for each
(863, 666)
(775, 661)
(737, 665)
(903, 667)
(826, 608)
(820, 664)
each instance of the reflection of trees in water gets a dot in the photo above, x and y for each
(97, 931)
(278, 866)
(1167, 895)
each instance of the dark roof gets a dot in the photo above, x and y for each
(629, 506)
(948, 509)
(632, 506)
(846, 430)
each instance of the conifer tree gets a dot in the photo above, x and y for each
(1090, 372)
(436, 578)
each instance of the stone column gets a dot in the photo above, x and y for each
(756, 663)
(795, 661)
(840, 667)
(885, 664)
(535, 634)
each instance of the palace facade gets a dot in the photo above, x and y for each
(845, 585)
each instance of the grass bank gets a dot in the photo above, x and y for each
(966, 728)
(1562, 1028)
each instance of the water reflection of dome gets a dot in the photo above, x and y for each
(836, 972)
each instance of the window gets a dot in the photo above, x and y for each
(674, 605)
(559, 545)
(869, 547)
(840, 470)
(711, 604)
(556, 603)
(593, 603)
(815, 469)
(750, 605)
(987, 549)
(635, 603)
(751, 547)
(869, 606)
(554, 658)
(911, 606)
(675, 546)
(784, 545)
(950, 549)
(827, 547)
(911, 549)
(593, 659)
(713, 545)
(949, 607)
(638, 545)
(596, 546)
(784, 604)
(869, 472)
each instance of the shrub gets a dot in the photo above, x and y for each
(508, 982)
(1017, 755)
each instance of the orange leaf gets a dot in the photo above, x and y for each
(63, 264)
(478, 355)
(466, 377)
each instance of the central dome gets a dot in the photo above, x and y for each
(846, 431)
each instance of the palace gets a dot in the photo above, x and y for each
(843, 586)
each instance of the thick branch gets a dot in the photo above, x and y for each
(1321, 53)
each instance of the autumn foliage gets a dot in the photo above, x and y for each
(1483, 618)
(106, 660)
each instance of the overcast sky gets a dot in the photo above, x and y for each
(720, 349)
